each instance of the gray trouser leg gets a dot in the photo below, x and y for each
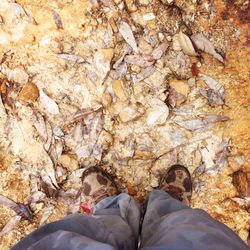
(170, 225)
(115, 225)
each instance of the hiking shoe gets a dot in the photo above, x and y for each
(178, 184)
(97, 185)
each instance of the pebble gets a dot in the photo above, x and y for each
(180, 86)
(69, 162)
(18, 75)
(29, 93)
(130, 113)
(120, 90)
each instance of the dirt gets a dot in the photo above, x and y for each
(90, 112)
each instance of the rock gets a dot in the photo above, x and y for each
(143, 154)
(236, 162)
(158, 113)
(105, 139)
(69, 162)
(120, 90)
(18, 75)
(131, 112)
(106, 99)
(180, 86)
(154, 182)
(241, 183)
(29, 93)
(102, 60)
(178, 92)
(130, 5)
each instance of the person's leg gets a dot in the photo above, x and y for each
(114, 224)
(170, 224)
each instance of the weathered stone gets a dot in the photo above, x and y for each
(106, 99)
(131, 112)
(241, 183)
(120, 90)
(29, 93)
(158, 113)
(180, 86)
(69, 162)
(18, 75)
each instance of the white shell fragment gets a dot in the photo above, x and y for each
(202, 43)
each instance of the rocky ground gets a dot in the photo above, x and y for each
(133, 86)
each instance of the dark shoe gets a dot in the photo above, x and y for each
(97, 185)
(177, 183)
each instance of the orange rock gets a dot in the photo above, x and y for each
(241, 183)
(29, 93)
(3, 88)
(180, 86)
(120, 90)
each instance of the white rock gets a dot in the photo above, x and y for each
(48, 104)
(149, 16)
(158, 113)
(18, 75)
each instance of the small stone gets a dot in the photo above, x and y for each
(149, 16)
(180, 87)
(236, 162)
(102, 59)
(37, 207)
(69, 162)
(29, 93)
(105, 139)
(18, 75)
(131, 6)
(191, 82)
(143, 154)
(158, 113)
(154, 183)
(161, 37)
(113, 25)
(106, 99)
(176, 43)
(120, 90)
(241, 183)
(131, 112)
